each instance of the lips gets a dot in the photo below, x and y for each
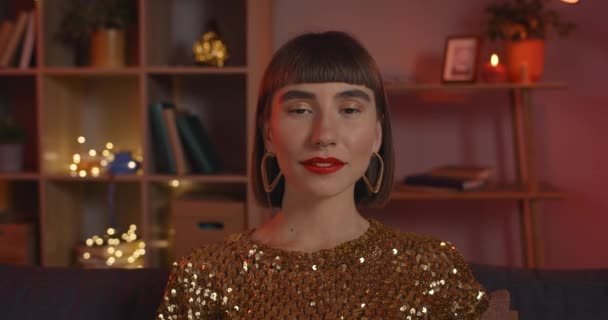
(323, 165)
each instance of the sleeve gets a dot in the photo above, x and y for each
(191, 290)
(448, 287)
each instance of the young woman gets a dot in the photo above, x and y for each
(323, 149)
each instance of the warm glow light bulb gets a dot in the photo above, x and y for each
(82, 173)
(109, 145)
(132, 227)
(570, 1)
(89, 242)
(110, 261)
(118, 253)
(81, 140)
(95, 171)
(142, 245)
(111, 231)
(131, 259)
(86, 256)
(174, 183)
(494, 60)
(76, 158)
(132, 165)
(99, 241)
(103, 163)
(92, 152)
(111, 250)
(105, 152)
(73, 167)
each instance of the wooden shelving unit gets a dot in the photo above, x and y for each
(527, 190)
(57, 102)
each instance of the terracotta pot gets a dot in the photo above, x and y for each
(525, 60)
(108, 48)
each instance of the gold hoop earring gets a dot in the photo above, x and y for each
(269, 187)
(375, 189)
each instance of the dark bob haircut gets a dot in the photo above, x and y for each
(313, 58)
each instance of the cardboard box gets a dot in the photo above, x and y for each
(199, 221)
(17, 244)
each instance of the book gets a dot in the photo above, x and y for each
(197, 144)
(428, 180)
(5, 33)
(461, 172)
(161, 147)
(169, 115)
(28, 42)
(8, 55)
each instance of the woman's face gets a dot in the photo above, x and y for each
(338, 115)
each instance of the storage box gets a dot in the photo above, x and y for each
(198, 221)
(17, 244)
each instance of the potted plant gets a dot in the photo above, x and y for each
(103, 23)
(12, 138)
(524, 25)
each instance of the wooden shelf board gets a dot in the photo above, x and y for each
(508, 192)
(179, 70)
(101, 178)
(396, 87)
(18, 72)
(88, 71)
(215, 178)
(20, 176)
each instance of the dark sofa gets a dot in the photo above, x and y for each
(62, 293)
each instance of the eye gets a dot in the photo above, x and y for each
(299, 108)
(299, 111)
(351, 109)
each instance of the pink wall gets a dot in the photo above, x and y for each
(407, 39)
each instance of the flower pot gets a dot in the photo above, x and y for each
(525, 60)
(11, 157)
(108, 48)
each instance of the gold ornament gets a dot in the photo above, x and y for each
(210, 49)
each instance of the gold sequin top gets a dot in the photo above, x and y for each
(384, 274)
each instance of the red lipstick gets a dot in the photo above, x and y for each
(323, 165)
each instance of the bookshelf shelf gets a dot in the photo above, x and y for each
(84, 71)
(527, 190)
(20, 176)
(58, 101)
(396, 87)
(101, 178)
(18, 72)
(195, 70)
(219, 178)
(507, 192)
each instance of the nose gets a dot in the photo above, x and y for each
(324, 131)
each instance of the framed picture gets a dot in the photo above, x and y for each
(460, 59)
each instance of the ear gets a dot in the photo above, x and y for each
(378, 138)
(267, 136)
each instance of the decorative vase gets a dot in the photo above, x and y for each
(525, 60)
(11, 157)
(108, 48)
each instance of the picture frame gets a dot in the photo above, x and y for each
(461, 59)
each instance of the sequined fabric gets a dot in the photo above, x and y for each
(384, 274)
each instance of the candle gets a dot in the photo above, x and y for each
(494, 71)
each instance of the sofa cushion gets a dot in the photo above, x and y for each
(69, 293)
(550, 294)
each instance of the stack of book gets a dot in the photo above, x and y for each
(17, 38)
(180, 143)
(449, 177)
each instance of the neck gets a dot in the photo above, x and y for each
(310, 224)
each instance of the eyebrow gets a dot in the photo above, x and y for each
(355, 93)
(299, 94)
(295, 95)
